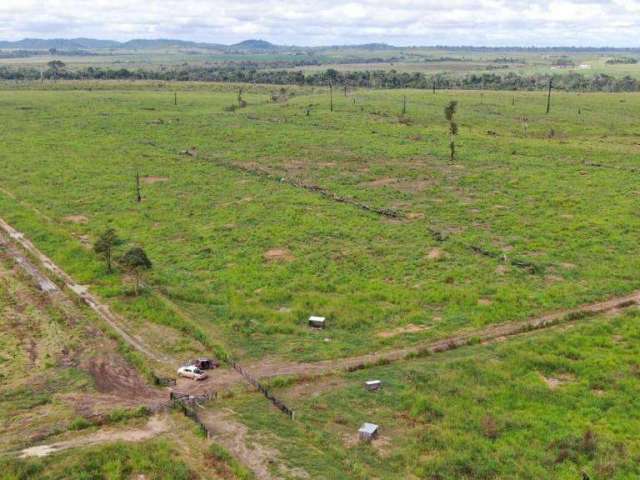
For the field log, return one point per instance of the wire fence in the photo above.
(264, 390)
(187, 404)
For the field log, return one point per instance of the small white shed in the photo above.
(317, 322)
(372, 385)
(368, 432)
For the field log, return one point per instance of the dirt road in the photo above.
(9, 234)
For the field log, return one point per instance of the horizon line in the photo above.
(382, 43)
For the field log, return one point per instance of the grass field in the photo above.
(284, 209)
(249, 258)
(154, 459)
(549, 406)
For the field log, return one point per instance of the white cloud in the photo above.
(314, 22)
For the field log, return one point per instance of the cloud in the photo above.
(317, 22)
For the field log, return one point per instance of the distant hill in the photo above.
(135, 44)
(60, 44)
(254, 45)
(144, 44)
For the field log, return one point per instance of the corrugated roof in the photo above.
(369, 428)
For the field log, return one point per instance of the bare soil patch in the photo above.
(313, 387)
(81, 219)
(413, 186)
(411, 328)
(113, 375)
(279, 255)
(381, 182)
(435, 254)
(555, 382)
(150, 180)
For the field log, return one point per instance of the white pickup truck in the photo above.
(193, 372)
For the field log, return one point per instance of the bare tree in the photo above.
(449, 113)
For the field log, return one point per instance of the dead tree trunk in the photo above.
(331, 96)
(138, 195)
(549, 95)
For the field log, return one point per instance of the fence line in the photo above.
(272, 398)
(186, 403)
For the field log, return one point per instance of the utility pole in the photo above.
(404, 104)
(175, 98)
(549, 95)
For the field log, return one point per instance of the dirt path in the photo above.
(252, 452)
(154, 427)
(265, 369)
(46, 285)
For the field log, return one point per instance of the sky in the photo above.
(329, 22)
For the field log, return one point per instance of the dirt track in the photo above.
(48, 286)
(266, 369)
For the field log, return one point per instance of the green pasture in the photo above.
(518, 225)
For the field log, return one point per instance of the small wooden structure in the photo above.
(317, 322)
(372, 385)
(368, 432)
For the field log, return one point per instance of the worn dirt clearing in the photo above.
(156, 425)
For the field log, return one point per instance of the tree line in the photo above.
(390, 79)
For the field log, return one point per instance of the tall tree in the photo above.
(135, 261)
(56, 66)
(449, 113)
(105, 244)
